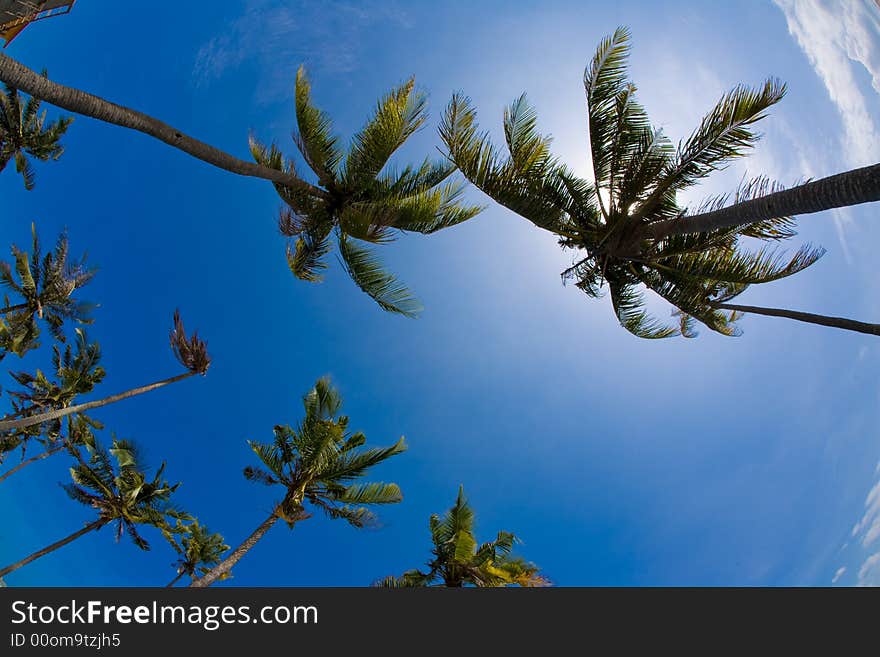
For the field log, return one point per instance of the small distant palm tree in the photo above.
(24, 133)
(627, 225)
(315, 463)
(360, 198)
(191, 352)
(199, 550)
(54, 440)
(120, 493)
(43, 287)
(459, 561)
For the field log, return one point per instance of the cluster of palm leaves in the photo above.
(613, 221)
(359, 199)
(25, 134)
(458, 560)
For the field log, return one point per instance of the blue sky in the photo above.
(714, 461)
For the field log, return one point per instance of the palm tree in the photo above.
(43, 287)
(628, 226)
(191, 352)
(24, 132)
(316, 462)
(21, 77)
(78, 434)
(459, 561)
(198, 548)
(120, 494)
(363, 199)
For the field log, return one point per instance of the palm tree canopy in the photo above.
(637, 175)
(42, 287)
(458, 559)
(115, 484)
(361, 199)
(24, 133)
(198, 548)
(77, 372)
(319, 462)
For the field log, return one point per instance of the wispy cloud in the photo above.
(867, 530)
(279, 36)
(838, 36)
(838, 574)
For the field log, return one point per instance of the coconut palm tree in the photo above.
(43, 287)
(191, 352)
(119, 493)
(627, 225)
(199, 550)
(76, 373)
(364, 200)
(315, 464)
(459, 561)
(78, 434)
(24, 133)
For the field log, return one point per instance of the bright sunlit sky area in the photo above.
(752, 460)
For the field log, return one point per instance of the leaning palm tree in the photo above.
(43, 287)
(119, 493)
(315, 463)
(198, 549)
(363, 200)
(191, 352)
(24, 133)
(459, 561)
(837, 191)
(627, 225)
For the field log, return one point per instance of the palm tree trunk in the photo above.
(21, 77)
(810, 318)
(176, 579)
(838, 191)
(92, 526)
(226, 565)
(79, 408)
(33, 459)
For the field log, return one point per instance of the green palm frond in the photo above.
(369, 275)
(398, 115)
(314, 138)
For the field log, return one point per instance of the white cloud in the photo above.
(838, 574)
(868, 529)
(280, 36)
(836, 35)
(869, 573)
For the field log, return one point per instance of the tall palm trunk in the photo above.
(33, 459)
(92, 526)
(20, 423)
(810, 318)
(838, 191)
(176, 579)
(226, 565)
(20, 77)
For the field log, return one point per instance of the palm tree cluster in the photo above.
(627, 225)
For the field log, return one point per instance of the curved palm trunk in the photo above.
(33, 459)
(31, 420)
(226, 565)
(838, 191)
(810, 318)
(92, 526)
(21, 77)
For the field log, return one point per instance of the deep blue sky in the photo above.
(743, 461)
